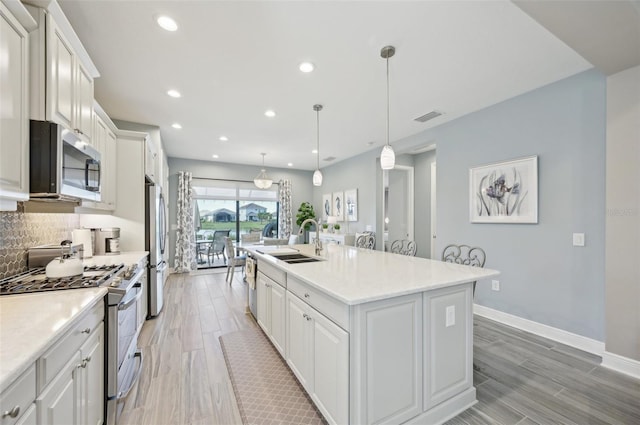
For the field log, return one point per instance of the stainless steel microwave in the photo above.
(62, 166)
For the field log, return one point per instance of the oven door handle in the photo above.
(126, 305)
(125, 393)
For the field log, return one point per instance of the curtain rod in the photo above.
(226, 180)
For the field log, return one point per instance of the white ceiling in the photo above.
(232, 60)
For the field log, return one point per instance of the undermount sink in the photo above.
(296, 258)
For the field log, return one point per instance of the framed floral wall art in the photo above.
(338, 205)
(351, 204)
(504, 192)
(326, 206)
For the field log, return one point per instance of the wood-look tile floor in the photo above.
(520, 378)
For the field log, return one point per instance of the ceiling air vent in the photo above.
(329, 158)
(426, 117)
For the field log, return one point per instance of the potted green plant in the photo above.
(325, 226)
(305, 211)
(336, 227)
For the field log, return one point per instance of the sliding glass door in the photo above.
(230, 208)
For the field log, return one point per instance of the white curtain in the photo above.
(185, 259)
(285, 219)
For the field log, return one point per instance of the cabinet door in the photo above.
(278, 309)
(59, 404)
(84, 102)
(330, 369)
(60, 79)
(264, 304)
(92, 412)
(29, 417)
(299, 341)
(14, 143)
(108, 188)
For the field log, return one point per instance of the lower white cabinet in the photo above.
(76, 393)
(271, 310)
(318, 354)
(337, 238)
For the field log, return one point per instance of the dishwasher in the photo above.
(252, 272)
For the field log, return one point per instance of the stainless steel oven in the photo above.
(124, 360)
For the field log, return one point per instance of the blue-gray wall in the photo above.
(544, 278)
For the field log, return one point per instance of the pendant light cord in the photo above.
(318, 139)
(387, 101)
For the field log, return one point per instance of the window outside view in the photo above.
(230, 210)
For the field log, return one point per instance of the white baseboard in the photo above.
(574, 340)
(621, 364)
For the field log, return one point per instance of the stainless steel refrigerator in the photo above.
(156, 243)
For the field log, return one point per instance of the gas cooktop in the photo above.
(36, 280)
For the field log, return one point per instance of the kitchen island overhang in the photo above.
(399, 331)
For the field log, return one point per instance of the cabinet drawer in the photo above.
(57, 356)
(335, 310)
(18, 396)
(277, 275)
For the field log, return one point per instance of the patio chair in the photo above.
(217, 245)
(233, 260)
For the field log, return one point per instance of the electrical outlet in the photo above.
(578, 239)
(495, 285)
(451, 316)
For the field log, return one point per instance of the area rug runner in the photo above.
(267, 391)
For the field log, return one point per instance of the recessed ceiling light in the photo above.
(214, 156)
(224, 139)
(270, 113)
(174, 93)
(176, 125)
(167, 23)
(315, 151)
(290, 164)
(306, 67)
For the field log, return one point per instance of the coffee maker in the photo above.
(106, 241)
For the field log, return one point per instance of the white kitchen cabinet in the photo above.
(151, 161)
(14, 131)
(70, 382)
(59, 404)
(318, 354)
(271, 310)
(61, 75)
(18, 398)
(337, 238)
(76, 393)
(104, 141)
(92, 375)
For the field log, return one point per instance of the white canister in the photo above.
(83, 236)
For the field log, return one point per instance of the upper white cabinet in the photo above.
(151, 162)
(14, 130)
(62, 73)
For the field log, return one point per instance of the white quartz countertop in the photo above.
(127, 258)
(357, 275)
(31, 323)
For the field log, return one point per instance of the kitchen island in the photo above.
(373, 337)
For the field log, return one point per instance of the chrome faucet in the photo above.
(317, 243)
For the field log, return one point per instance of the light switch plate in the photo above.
(495, 285)
(578, 239)
(451, 316)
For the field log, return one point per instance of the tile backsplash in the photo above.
(20, 231)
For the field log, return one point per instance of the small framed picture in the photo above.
(504, 192)
(338, 205)
(351, 204)
(326, 206)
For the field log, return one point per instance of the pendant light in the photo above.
(262, 181)
(387, 157)
(317, 175)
